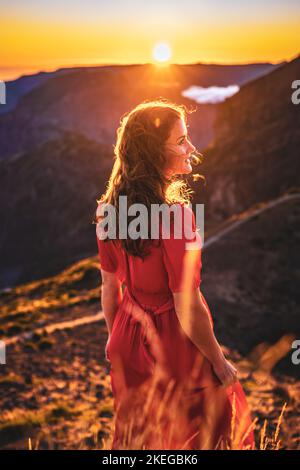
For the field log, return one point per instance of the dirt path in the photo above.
(245, 217)
(57, 326)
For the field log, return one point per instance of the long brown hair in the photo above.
(139, 163)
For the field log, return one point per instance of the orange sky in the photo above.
(39, 40)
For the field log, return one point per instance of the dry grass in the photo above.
(159, 423)
(139, 441)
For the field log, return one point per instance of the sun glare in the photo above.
(162, 52)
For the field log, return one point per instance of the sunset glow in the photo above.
(162, 52)
(49, 35)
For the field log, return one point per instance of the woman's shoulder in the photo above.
(178, 223)
(183, 206)
(185, 212)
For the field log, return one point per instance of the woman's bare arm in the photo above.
(195, 321)
(111, 297)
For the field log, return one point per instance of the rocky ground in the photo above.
(55, 388)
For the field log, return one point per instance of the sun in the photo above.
(161, 52)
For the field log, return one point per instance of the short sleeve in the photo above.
(108, 261)
(182, 256)
(106, 256)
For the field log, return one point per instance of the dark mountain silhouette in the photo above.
(50, 192)
(255, 152)
(251, 278)
(50, 197)
(15, 89)
(91, 100)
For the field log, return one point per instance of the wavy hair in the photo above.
(139, 164)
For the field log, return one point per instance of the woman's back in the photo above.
(153, 279)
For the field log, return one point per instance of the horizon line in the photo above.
(41, 69)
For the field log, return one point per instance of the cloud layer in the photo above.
(212, 94)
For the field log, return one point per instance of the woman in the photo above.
(173, 387)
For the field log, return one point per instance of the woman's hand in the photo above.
(226, 372)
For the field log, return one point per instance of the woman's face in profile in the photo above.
(178, 149)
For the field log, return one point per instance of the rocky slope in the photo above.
(50, 198)
(91, 100)
(255, 153)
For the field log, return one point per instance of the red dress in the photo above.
(166, 394)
